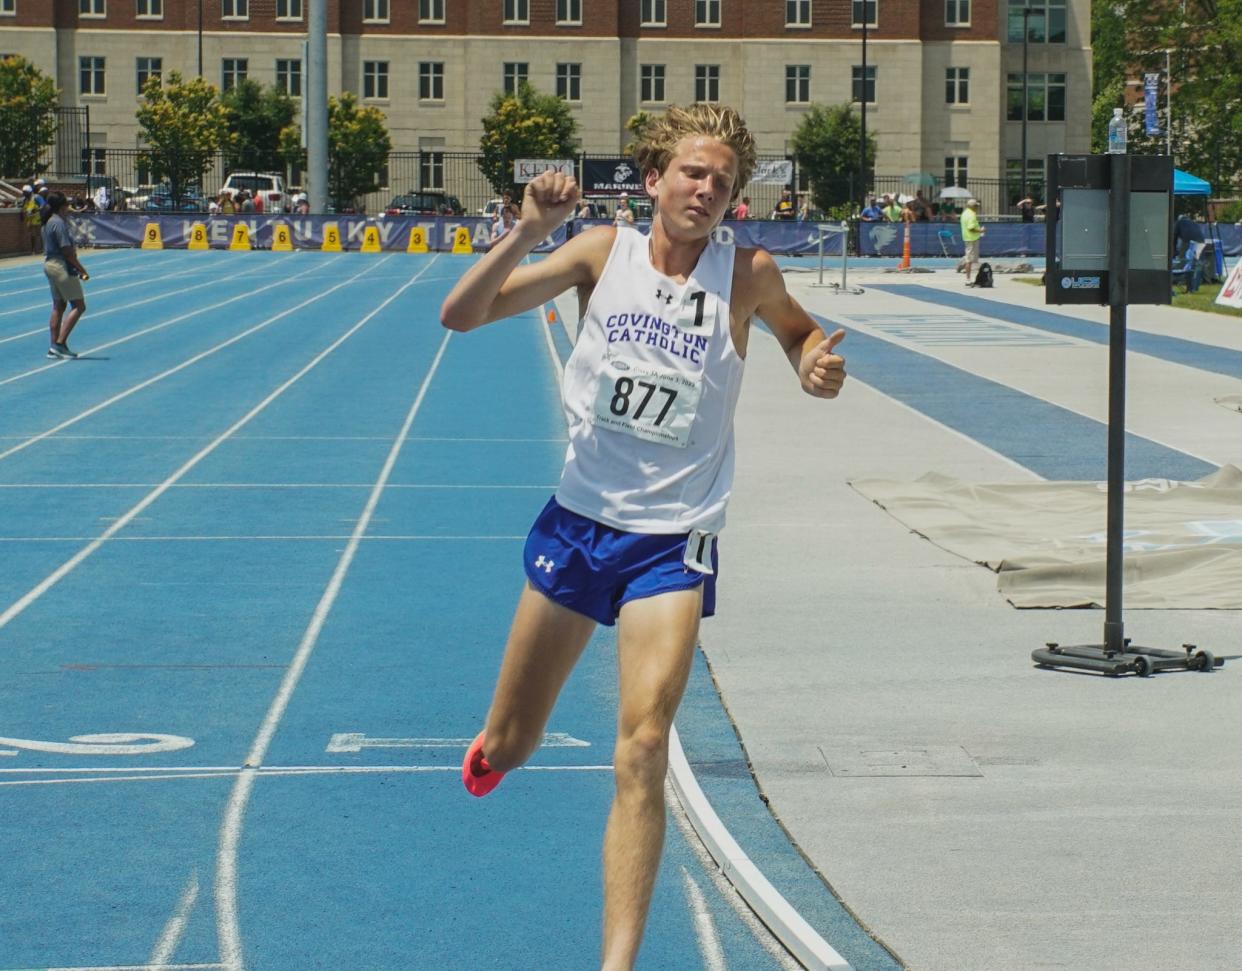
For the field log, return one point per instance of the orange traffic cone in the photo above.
(551, 316)
(905, 251)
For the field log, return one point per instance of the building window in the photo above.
(517, 11)
(8, 8)
(431, 11)
(707, 82)
(91, 75)
(569, 11)
(569, 81)
(149, 67)
(375, 79)
(1045, 23)
(94, 161)
(235, 9)
(288, 9)
(857, 83)
(93, 8)
(654, 13)
(864, 8)
(955, 170)
(1045, 97)
(234, 69)
(289, 77)
(707, 13)
(957, 86)
(797, 84)
(1015, 181)
(515, 72)
(957, 13)
(797, 13)
(431, 81)
(375, 11)
(151, 8)
(651, 82)
(430, 164)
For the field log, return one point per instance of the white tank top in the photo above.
(649, 392)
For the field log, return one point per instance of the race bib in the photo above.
(697, 313)
(652, 403)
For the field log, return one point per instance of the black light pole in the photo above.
(1026, 16)
(862, 138)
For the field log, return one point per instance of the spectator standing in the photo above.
(32, 219)
(892, 211)
(64, 274)
(743, 209)
(784, 208)
(922, 208)
(1026, 207)
(872, 213)
(972, 232)
(624, 215)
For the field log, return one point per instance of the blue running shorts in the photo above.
(594, 569)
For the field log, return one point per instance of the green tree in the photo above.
(358, 147)
(257, 116)
(636, 126)
(1110, 63)
(825, 145)
(28, 100)
(525, 124)
(183, 125)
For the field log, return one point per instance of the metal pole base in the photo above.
(1143, 661)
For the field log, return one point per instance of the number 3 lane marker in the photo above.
(112, 744)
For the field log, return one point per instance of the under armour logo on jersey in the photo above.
(544, 562)
(661, 295)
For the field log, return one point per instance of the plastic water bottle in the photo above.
(1117, 133)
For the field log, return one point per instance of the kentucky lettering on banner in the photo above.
(1151, 94)
(774, 171)
(525, 169)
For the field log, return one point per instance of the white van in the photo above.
(269, 185)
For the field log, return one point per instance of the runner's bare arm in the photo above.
(820, 371)
(499, 285)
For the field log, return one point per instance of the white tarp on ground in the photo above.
(1046, 540)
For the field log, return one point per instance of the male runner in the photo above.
(649, 392)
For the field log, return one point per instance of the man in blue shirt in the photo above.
(872, 213)
(64, 274)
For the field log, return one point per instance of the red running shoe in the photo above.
(478, 777)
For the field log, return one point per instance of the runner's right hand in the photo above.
(551, 197)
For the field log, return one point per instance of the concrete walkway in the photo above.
(975, 812)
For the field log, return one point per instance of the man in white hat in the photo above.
(625, 215)
(972, 232)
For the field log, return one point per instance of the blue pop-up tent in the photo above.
(1185, 184)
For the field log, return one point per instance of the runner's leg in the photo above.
(655, 648)
(544, 644)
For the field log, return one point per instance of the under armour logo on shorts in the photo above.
(544, 562)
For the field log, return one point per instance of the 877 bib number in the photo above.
(650, 403)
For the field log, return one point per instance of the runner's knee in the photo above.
(641, 755)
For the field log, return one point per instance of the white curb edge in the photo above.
(790, 928)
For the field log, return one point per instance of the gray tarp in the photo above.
(1046, 540)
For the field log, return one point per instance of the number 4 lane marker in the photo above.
(351, 742)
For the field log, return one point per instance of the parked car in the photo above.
(425, 203)
(161, 200)
(269, 185)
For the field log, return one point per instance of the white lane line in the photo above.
(130, 967)
(67, 567)
(166, 946)
(41, 486)
(294, 438)
(227, 922)
(270, 772)
(40, 436)
(704, 927)
(246, 295)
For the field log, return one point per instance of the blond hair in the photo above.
(660, 137)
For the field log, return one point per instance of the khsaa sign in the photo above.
(525, 169)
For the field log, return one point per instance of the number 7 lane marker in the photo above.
(228, 926)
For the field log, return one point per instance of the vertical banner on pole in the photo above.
(1151, 93)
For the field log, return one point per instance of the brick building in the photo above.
(943, 78)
